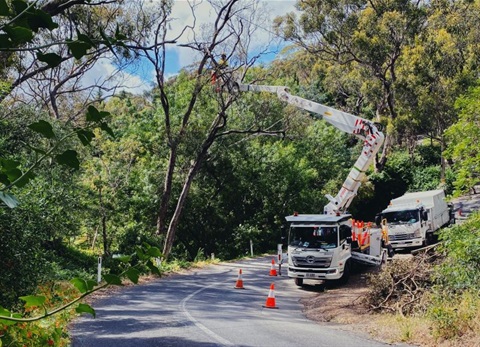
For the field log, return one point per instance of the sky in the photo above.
(141, 78)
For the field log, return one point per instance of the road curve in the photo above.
(202, 308)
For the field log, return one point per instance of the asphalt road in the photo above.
(202, 308)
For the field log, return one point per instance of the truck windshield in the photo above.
(313, 236)
(406, 216)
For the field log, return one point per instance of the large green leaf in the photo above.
(23, 180)
(4, 179)
(33, 300)
(124, 258)
(80, 284)
(112, 279)
(5, 41)
(4, 9)
(133, 274)
(141, 254)
(84, 308)
(94, 115)
(68, 158)
(85, 136)
(85, 38)
(107, 129)
(154, 252)
(9, 199)
(13, 174)
(153, 268)
(6, 313)
(78, 48)
(40, 19)
(43, 127)
(19, 6)
(51, 59)
(19, 34)
(9, 164)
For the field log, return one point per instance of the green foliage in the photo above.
(459, 317)
(461, 248)
(13, 175)
(463, 137)
(51, 309)
(457, 281)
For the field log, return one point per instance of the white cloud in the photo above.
(205, 15)
(178, 57)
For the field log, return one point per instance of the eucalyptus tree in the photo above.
(228, 31)
(361, 43)
(433, 73)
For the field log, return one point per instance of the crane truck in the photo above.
(323, 246)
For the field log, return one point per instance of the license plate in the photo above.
(310, 275)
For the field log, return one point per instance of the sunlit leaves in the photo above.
(33, 300)
(464, 141)
(83, 285)
(6, 313)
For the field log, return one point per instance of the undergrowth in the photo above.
(440, 287)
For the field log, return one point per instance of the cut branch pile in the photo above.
(401, 287)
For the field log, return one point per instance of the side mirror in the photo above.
(424, 215)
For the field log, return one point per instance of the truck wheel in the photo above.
(429, 239)
(299, 281)
(346, 274)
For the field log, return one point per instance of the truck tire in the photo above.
(342, 280)
(299, 281)
(429, 239)
(346, 274)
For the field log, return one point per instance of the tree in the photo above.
(361, 40)
(435, 71)
(224, 34)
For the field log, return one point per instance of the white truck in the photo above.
(322, 246)
(413, 218)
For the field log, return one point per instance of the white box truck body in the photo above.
(413, 218)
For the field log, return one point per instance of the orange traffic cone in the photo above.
(239, 284)
(270, 303)
(273, 271)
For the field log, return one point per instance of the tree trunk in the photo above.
(382, 161)
(442, 161)
(218, 123)
(167, 191)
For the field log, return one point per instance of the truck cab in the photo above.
(319, 247)
(413, 219)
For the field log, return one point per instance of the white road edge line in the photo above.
(197, 323)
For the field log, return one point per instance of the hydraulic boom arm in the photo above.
(362, 128)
